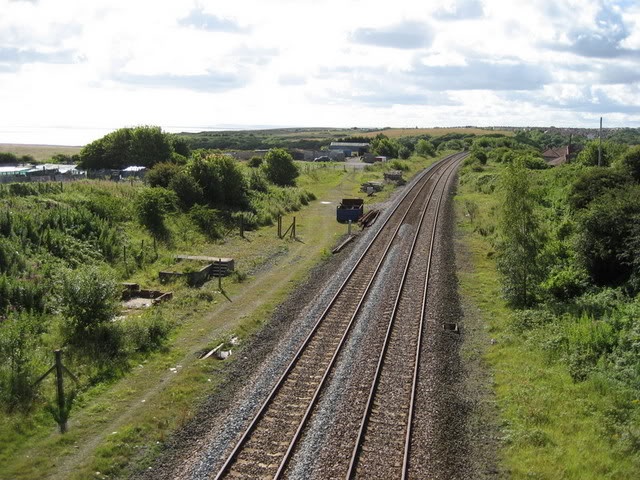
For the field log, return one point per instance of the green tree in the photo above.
(609, 236)
(425, 148)
(144, 146)
(591, 183)
(520, 239)
(279, 167)
(610, 152)
(221, 180)
(630, 162)
(8, 157)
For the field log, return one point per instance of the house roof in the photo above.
(555, 152)
(349, 145)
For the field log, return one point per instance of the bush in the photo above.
(630, 162)
(152, 204)
(208, 221)
(255, 162)
(220, 179)
(20, 365)
(89, 300)
(161, 174)
(425, 148)
(279, 167)
(592, 183)
(610, 236)
(188, 191)
(566, 283)
(148, 332)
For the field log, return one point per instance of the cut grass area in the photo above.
(41, 153)
(551, 427)
(118, 427)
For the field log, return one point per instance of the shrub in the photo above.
(565, 283)
(592, 183)
(89, 300)
(148, 332)
(279, 167)
(425, 148)
(255, 162)
(630, 162)
(161, 174)
(188, 191)
(20, 364)
(152, 204)
(208, 221)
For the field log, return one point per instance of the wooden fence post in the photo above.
(60, 390)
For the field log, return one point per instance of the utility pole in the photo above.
(600, 145)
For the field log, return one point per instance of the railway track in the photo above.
(265, 447)
(382, 448)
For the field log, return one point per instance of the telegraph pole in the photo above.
(600, 145)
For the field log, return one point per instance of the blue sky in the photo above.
(73, 70)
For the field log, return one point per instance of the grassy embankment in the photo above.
(117, 426)
(551, 426)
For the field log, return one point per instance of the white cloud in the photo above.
(84, 67)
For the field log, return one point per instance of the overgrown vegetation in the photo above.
(565, 241)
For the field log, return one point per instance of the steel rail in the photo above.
(416, 368)
(383, 351)
(424, 178)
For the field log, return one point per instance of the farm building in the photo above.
(349, 149)
(133, 171)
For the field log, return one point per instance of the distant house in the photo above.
(559, 155)
(349, 149)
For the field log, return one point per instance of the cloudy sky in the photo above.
(73, 70)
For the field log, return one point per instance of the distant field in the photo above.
(39, 152)
(434, 132)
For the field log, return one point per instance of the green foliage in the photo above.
(152, 204)
(19, 340)
(610, 153)
(187, 189)
(143, 146)
(630, 162)
(591, 183)
(398, 165)
(220, 179)
(161, 174)
(147, 332)
(279, 167)
(610, 236)
(384, 146)
(7, 157)
(255, 162)
(89, 301)
(404, 152)
(208, 220)
(564, 283)
(425, 148)
(521, 240)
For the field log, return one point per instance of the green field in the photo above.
(41, 153)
